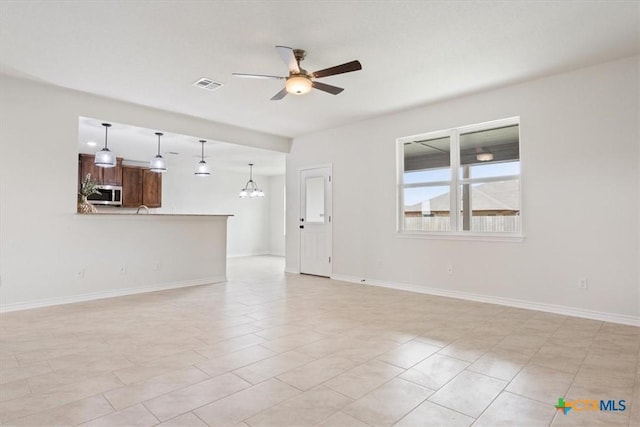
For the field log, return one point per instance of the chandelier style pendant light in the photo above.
(251, 188)
(105, 158)
(158, 164)
(202, 169)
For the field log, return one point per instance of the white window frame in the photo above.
(454, 185)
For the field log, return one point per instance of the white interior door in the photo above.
(315, 221)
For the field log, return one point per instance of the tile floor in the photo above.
(269, 349)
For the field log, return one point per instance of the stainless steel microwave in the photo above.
(109, 195)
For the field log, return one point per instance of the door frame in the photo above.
(328, 208)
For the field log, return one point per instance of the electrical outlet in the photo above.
(450, 270)
(80, 273)
(583, 284)
(123, 269)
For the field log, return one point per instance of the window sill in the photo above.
(475, 237)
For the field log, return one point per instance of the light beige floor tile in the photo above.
(360, 380)
(185, 420)
(13, 390)
(175, 360)
(186, 399)
(501, 364)
(312, 374)
(560, 357)
(306, 409)
(229, 346)
(33, 403)
(388, 403)
(273, 366)
(139, 392)
(597, 377)
(441, 337)
(542, 384)
(133, 416)
(591, 419)
(511, 410)
(235, 360)
(340, 419)
(465, 349)
(435, 371)
(469, 393)
(71, 414)
(528, 344)
(245, 404)
(280, 331)
(11, 374)
(408, 354)
(362, 351)
(430, 414)
(290, 342)
(94, 347)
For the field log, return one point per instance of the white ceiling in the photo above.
(412, 52)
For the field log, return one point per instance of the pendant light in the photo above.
(202, 169)
(158, 164)
(105, 158)
(251, 188)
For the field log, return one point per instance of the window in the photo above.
(462, 181)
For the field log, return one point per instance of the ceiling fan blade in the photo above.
(257, 76)
(333, 90)
(278, 96)
(286, 53)
(338, 69)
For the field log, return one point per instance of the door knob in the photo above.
(302, 226)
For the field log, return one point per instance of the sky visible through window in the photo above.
(417, 195)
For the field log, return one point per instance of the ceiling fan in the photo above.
(300, 81)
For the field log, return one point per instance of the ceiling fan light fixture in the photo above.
(484, 157)
(298, 85)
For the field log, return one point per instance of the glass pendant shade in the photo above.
(202, 169)
(251, 188)
(298, 85)
(158, 163)
(105, 158)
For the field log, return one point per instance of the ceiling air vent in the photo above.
(206, 83)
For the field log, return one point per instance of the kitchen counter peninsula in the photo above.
(126, 253)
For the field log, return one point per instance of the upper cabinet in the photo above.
(151, 189)
(104, 176)
(140, 186)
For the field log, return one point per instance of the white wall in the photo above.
(580, 179)
(276, 197)
(248, 228)
(43, 242)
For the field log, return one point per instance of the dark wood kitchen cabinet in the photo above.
(151, 189)
(140, 186)
(104, 176)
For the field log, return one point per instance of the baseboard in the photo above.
(5, 308)
(549, 308)
(281, 254)
(246, 255)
